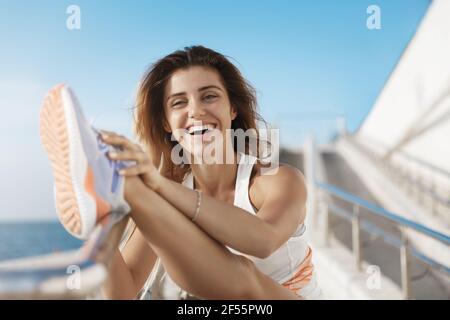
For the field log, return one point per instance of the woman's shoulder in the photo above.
(263, 173)
(280, 179)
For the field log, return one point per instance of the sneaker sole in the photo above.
(76, 203)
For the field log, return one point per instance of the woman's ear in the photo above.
(166, 127)
(233, 113)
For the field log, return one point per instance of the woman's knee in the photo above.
(250, 287)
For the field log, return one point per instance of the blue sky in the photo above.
(310, 61)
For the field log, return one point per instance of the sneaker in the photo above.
(88, 189)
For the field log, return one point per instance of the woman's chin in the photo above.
(199, 149)
(205, 153)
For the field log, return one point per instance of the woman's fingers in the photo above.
(129, 151)
(106, 132)
(134, 170)
(137, 156)
(118, 140)
(115, 139)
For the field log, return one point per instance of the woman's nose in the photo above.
(196, 109)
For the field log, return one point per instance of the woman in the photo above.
(220, 229)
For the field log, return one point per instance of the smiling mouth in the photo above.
(200, 130)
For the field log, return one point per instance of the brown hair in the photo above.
(150, 115)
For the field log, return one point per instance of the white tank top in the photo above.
(281, 265)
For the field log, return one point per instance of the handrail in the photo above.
(383, 212)
(403, 243)
(21, 279)
(392, 240)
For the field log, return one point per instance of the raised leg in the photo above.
(196, 262)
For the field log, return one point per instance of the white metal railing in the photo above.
(49, 276)
(358, 224)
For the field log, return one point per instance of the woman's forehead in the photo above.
(192, 79)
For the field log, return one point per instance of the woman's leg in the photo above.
(196, 262)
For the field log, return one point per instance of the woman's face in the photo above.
(197, 108)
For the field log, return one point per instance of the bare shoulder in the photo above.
(283, 180)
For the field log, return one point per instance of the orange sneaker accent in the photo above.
(54, 137)
(103, 207)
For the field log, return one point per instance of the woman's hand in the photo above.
(129, 151)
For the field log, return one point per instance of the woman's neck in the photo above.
(215, 179)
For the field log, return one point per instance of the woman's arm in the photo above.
(129, 269)
(281, 198)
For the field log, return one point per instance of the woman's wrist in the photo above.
(155, 183)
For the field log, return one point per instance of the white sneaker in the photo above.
(88, 189)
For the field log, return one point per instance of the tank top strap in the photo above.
(241, 197)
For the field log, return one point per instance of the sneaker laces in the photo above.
(115, 165)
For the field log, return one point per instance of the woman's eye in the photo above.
(177, 103)
(210, 97)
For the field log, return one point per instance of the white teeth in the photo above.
(199, 129)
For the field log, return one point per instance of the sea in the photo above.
(31, 238)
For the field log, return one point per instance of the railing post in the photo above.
(356, 237)
(404, 265)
